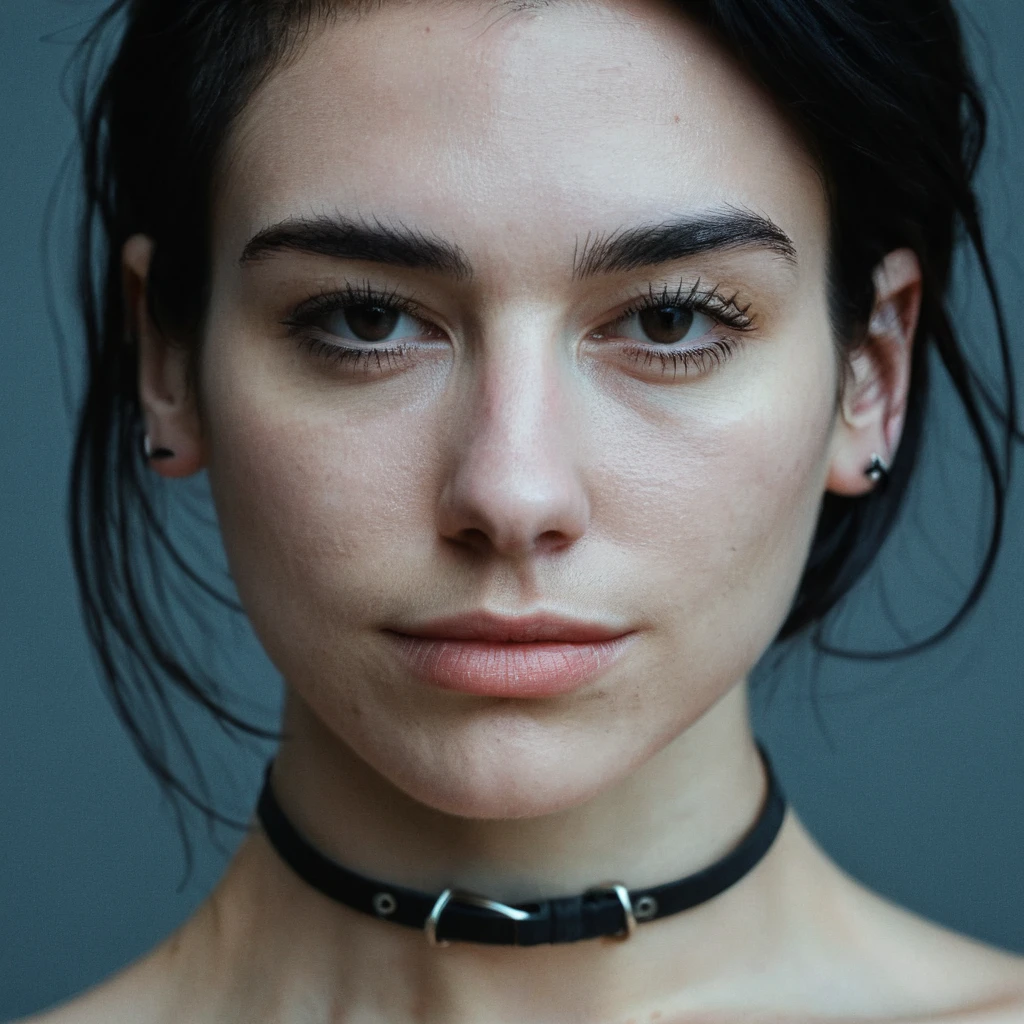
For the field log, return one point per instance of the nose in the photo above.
(513, 486)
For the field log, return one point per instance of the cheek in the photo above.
(718, 503)
(704, 506)
(315, 496)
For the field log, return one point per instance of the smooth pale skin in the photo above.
(513, 462)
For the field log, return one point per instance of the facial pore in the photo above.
(527, 443)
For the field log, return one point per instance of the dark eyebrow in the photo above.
(626, 249)
(345, 239)
(648, 245)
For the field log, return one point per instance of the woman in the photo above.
(549, 362)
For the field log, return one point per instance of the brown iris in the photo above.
(666, 324)
(371, 323)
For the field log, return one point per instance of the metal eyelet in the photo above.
(384, 903)
(645, 908)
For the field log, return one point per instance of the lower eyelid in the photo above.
(703, 358)
(348, 354)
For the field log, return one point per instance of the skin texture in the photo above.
(517, 458)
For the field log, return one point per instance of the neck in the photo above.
(685, 808)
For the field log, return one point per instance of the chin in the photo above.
(496, 773)
(501, 796)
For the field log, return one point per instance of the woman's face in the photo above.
(516, 438)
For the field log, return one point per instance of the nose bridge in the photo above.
(515, 484)
(520, 415)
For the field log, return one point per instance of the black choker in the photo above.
(608, 909)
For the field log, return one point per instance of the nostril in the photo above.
(480, 541)
(489, 511)
(553, 540)
(473, 537)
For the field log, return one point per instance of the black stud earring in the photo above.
(149, 453)
(878, 470)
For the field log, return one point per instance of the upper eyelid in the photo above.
(331, 299)
(704, 299)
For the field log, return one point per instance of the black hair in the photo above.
(880, 89)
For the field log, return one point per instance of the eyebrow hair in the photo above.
(623, 250)
(346, 239)
(649, 245)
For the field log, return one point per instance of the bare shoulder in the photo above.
(163, 986)
(996, 987)
(937, 974)
(102, 1005)
(107, 1003)
(137, 994)
(865, 957)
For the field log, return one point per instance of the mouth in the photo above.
(484, 654)
(514, 629)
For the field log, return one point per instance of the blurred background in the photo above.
(910, 773)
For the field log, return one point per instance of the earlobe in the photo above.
(171, 445)
(874, 400)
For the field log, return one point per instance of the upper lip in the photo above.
(539, 626)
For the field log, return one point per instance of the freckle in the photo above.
(427, 29)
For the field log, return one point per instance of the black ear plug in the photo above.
(160, 453)
(877, 470)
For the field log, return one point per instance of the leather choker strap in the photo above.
(609, 909)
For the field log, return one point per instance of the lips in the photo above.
(489, 655)
(524, 629)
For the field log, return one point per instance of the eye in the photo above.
(368, 322)
(665, 325)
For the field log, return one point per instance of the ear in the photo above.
(169, 411)
(874, 399)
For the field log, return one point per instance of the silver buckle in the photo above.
(474, 900)
(627, 907)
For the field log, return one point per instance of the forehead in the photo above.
(515, 121)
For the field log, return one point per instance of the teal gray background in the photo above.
(910, 773)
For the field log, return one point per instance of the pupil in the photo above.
(666, 324)
(371, 323)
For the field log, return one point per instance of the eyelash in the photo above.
(700, 359)
(726, 311)
(302, 323)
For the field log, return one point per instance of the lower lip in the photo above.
(489, 669)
